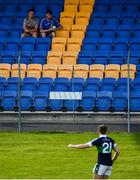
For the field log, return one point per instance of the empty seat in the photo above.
(55, 104)
(103, 102)
(26, 100)
(54, 57)
(119, 102)
(112, 71)
(2, 83)
(85, 57)
(38, 57)
(58, 44)
(28, 44)
(82, 18)
(65, 71)
(70, 8)
(45, 84)
(5, 70)
(15, 70)
(74, 44)
(81, 71)
(124, 71)
(136, 84)
(43, 44)
(25, 57)
(78, 31)
(96, 71)
(76, 84)
(135, 101)
(92, 84)
(9, 99)
(88, 100)
(75, 2)
(89, 2)
(108, 84)
(12, 84)
(69, 58)
(86, 8)
(29, 84)
(49, 70)
(8, 57)
(122, 84)
(67, 18)
(12, 44)
(40, 100)
(64, 32)
(61, 84)
(34, 70)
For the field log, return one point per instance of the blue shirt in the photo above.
(47, 24)
(104, 146)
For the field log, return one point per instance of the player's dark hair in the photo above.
(102, 129)
(49, 12)
(31, 9)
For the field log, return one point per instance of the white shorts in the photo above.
(102, 170)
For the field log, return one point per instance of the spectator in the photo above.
(30, 24)
(49, 25)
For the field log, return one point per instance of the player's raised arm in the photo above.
(116, 154)
(78, 146)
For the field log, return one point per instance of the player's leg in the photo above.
(98, 171)
(96, 177)
(107, 172)
(43, 34)
(106, 177)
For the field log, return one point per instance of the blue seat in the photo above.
(135, 101)
(108, 33)
(128, 21)
(38, 57)
(29, 84)
(2, 83)
(92, 34)
(116, 59)
(26, 100)
(28, 44)
(124, 34)
(43, 44)
(25, 2)
(88, 100)
(40, 100)
(134, 60)
(40, 9)
(101, 2)
(6, 20)
(136, 84)
(100, 8)
(2, 44)
(130, 2)
(116, 8)
(132, 8)
(122, 84)
(89, 47)
(71, 105)
(55, 104)
(10, 2)
(136, 34)
(18, 21)
(45, 84)
(12, 44)
(42, 2)
(103, 102)
(3, 33)
(9, 100)
(15, 32)
(120, 47)
(12, 84)
(61, 84)
(76, 84)
(92, 84)
(85, 57)
(119, 2)
(9, 7)
(56, 2)
(135, 46)
(100, 59)
(97, 21)
(138, 71)
(8, 57)
(107, 47)
(112, 21)
(108, 84)
(25, 57)
(119, 102)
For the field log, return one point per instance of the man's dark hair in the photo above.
(49, 12)
(102, 129)
(31, 9)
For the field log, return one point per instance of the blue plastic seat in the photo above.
(29, 84)
(108, 84)
(12, 84)
(119, 2)
(138, 71)
(100, 60)
(61, 84)
(112, 21)
(134, 60)
(28, 44)
(45, 84)
(2, 44)
(76, 84)
(42, 2)
(97, 21)
(72, 105)
(15, 32)
(128, 21)
(92, 34)
(18, 21)
(26, 100)
(130, 2)
(40, 100)
(6, 20)
(25, 2)
(89, 47)
(92, 84)
(43, 44)
(85, 57)
(120, 47)
(105, 47)
(9, 100)
(122, 84)
(3, 33)
(100, 8)
(136, 34)
(117, 59)
(103, 102)
(124, 34)
(25, 57)
(108, 33)
(9, 7)
(38, 57)
(102, 2)
(2, 83)
(136, 84)
(12, 44)
(8, 57)
(119, 102)
(88, 100)
(55, 104)
(135, 101)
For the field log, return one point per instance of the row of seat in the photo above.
(91, 101)
(119, 2)
(79, 70)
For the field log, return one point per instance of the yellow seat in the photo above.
(54, 57)
(78, 31)
(14, 70)
(65, 71)
(89, 2)
(70, 58)
(62, 33)
(82, 18)
(81, 71)
(70, 8)
(49, 70)
(75, 2)
(58, 44)
(67, 18)
(96, 71)
(86, 8)
(124, 71)
(34, 70)
(5, 70)
(112, 71)
(74, 44)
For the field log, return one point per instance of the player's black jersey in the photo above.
(104, 146)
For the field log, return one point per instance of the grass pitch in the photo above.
(45, 155)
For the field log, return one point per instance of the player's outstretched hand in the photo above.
(70, 145)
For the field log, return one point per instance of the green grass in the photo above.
(45, 155)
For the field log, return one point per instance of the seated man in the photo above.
(30, 25)
(49, 25)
